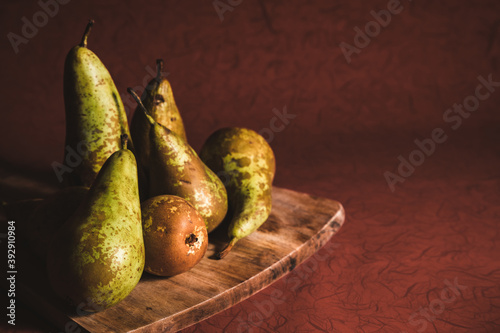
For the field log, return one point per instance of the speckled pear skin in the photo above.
(176, 169)
(158, 98)
(97, 257)
(246, 163)
(95, 115)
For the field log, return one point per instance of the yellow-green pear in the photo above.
(158, 99)
(246, 162)
(95, 116)
(97, 257)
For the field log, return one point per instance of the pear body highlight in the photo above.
(97, 257)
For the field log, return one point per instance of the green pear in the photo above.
(95, 116)
(158, 99)
(97, 257)
(246, 162)
(175, 169)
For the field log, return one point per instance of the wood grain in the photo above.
(299, 225)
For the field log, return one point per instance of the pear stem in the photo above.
(139, 103)
(124, 141)
(226, 249)
(159, 69)
(85, 36)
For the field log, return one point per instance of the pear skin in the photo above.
(95, 115)
(158, 99)
(97, 257)
(246, 162)
(175, 235)
(175, 169)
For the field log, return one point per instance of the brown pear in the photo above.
(175, 236)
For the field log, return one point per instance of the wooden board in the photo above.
(299, 225)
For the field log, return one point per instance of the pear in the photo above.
(97, 257)
(246, 162)
(175, 236)
(159, 100)
(174, 168)
(95, 116)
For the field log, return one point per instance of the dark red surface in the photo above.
(390, 267)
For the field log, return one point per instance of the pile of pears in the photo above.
(137, 188)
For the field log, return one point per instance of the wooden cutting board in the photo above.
(299, 225)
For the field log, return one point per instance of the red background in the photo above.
(352, 120)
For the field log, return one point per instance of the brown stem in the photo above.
(226, 249)
(159, 69)
(83, 43)
(136, 97)
(124, 140)
(139, 103)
